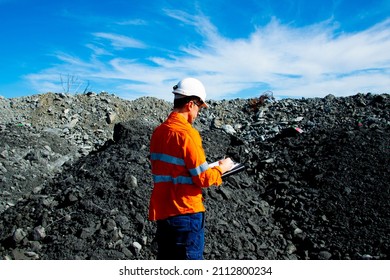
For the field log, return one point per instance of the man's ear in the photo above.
(190, 105)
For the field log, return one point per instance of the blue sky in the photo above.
(238, 49)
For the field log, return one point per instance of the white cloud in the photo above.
(98, 50)
(301, 62)
(119, 41)
(310, 61)
(132, 22)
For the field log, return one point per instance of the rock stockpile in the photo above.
(75, 177)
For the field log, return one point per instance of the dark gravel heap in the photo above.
(316, 184)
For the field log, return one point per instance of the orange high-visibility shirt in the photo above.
(179, 169)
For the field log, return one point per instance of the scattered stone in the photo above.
(39, 233)
(137, 247)
(19, 235)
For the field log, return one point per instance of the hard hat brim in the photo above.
(205, 105)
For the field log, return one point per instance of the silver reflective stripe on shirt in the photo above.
(175, 181)
(167, 158)
(199, 169)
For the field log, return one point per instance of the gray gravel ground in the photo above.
(75, 177)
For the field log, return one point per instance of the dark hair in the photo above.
(180, 102)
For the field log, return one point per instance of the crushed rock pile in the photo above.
(75, 177)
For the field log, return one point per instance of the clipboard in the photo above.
(237, 167)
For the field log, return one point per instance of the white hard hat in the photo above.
(190, 87)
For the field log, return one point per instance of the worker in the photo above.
(180, 171)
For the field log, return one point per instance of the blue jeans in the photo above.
(181, 237)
